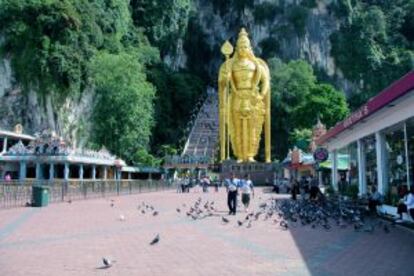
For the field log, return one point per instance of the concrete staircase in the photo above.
(203, 139)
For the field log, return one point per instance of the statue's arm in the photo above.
(265, 78)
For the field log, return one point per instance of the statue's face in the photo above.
(243, 50)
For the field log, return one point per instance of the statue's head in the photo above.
(243, 46)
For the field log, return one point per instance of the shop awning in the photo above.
(343, 162)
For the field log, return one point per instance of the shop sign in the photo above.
(321, 154)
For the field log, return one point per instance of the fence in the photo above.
(16, 194)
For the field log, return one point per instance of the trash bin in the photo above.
(40, 196)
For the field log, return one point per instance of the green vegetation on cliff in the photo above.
(65, 46)
(375, 43)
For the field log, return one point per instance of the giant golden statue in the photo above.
(244, 101)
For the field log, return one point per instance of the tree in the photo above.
(290, 83)
(177, 94)
(323, 100)
(123, 116)
(297, 100)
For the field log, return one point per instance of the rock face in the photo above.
(275, 30)
(277, 33)
(69, 117)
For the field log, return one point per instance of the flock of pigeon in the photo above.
(285, 213)
(144, 208)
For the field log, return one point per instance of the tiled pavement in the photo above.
(71, 239)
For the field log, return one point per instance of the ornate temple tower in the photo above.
(318, 131)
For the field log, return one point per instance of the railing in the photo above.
(19, 193)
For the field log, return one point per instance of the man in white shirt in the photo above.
(232, 187)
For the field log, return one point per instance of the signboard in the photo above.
(321, 154)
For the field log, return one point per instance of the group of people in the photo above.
(184, 184)
(235, 185)
(306, 185)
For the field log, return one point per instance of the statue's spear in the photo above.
(227, 50)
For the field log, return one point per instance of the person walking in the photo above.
(232, 190)
(294, 187)
(246, 190)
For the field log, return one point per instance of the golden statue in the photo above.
(244, 101)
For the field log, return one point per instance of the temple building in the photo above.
(299, 163)
(46, 156)
(378, 139)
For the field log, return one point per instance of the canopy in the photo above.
(343, 162)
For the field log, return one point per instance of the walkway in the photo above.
(71, 239)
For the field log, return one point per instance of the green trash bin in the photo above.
(40, 196)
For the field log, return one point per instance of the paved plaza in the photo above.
(72, 238)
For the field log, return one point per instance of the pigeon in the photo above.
(178, 210)
(112, 204)
(263, 205)
(239, 223)
(284, 225)
(155, 213)
(155, 240)
(70, 201)
(107, 262)
(386, 229)
(143, 211)
(369, 229)
(223, 219)
(28, 204)
(249, 224)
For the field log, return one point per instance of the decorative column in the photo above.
(66, 172)
(334, 169)
(362, 180)
(381, 163)
(22, 170)
(38, 171)
(93, 172)
(4, 145)
(105, 172)
(51, 171)
(81, 171)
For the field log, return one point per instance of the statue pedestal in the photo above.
(260, 173)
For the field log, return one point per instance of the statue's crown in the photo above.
(243, 37)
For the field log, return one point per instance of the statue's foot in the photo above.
(239, 161)
(268, 161)
(251, 159)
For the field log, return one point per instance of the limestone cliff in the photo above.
(276, 30)
(288, 29)
(35, 111)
